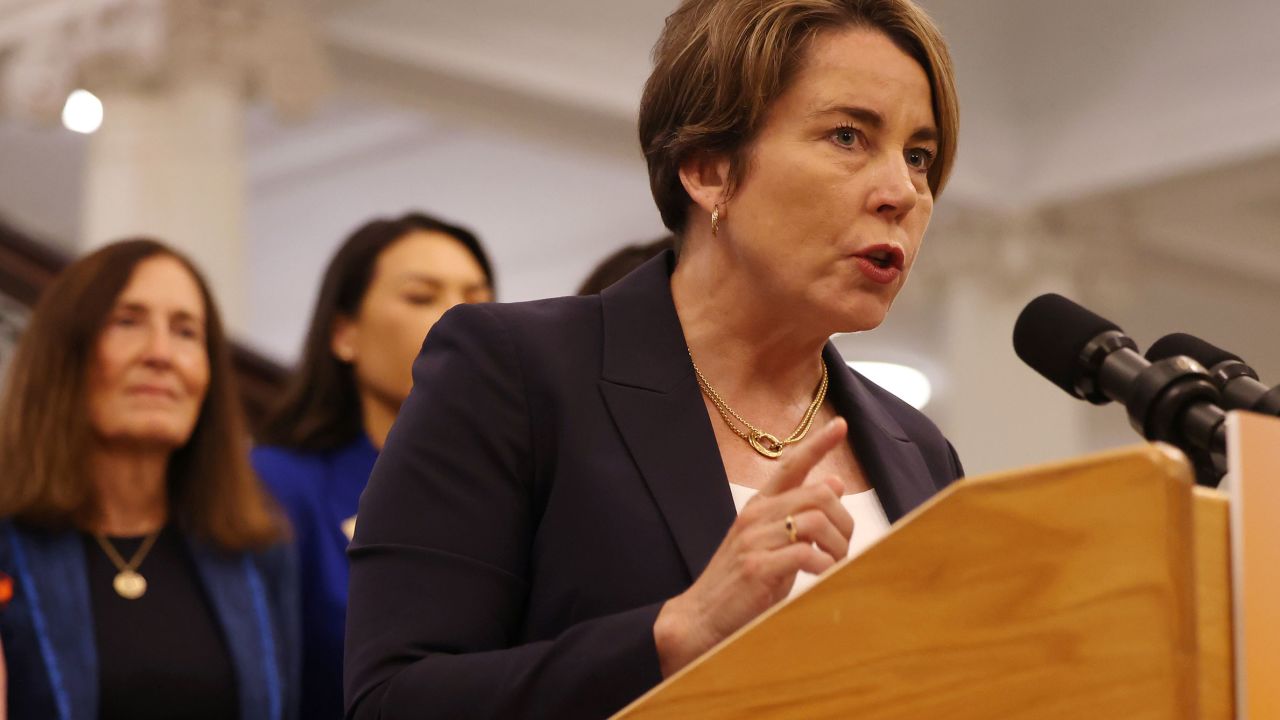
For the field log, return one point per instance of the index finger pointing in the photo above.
(795, 467)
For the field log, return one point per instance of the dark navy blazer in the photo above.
(48, 626)
(551, 481)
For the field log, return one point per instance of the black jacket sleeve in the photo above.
(440, 560)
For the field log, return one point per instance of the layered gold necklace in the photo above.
(762, 442)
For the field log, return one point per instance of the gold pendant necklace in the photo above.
(762, 442)
(128, 583)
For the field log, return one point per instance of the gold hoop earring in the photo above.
(715, 220)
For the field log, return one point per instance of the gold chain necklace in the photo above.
(128, 583)
(762, 442)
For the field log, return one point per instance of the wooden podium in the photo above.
(1095, 588)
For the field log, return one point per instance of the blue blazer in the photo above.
(550, 482)
(48, 626)
(319, 491)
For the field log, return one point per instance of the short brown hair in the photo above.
(45, 434)
(720, 64)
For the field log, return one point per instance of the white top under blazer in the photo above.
(870, 523)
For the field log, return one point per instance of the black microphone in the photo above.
(1237, 381)
(1173, 400)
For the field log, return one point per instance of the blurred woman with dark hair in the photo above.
(149, 575)
(621, 262)
(383, 290)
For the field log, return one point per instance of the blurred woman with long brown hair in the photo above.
(151, 577)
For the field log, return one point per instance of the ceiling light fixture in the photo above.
(83, 112)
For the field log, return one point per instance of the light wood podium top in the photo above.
(1063, 591)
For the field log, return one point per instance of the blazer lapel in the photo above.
(54, 564)
(892, 462)
(231, 596)
(653, 397)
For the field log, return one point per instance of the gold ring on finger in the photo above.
(793, 533)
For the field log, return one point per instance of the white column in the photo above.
(174, 77)
(999, 413)
(168, 162)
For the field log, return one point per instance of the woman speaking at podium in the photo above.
(582, 495)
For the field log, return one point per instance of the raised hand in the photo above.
(791, 525)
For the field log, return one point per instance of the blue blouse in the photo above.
(320, 492)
